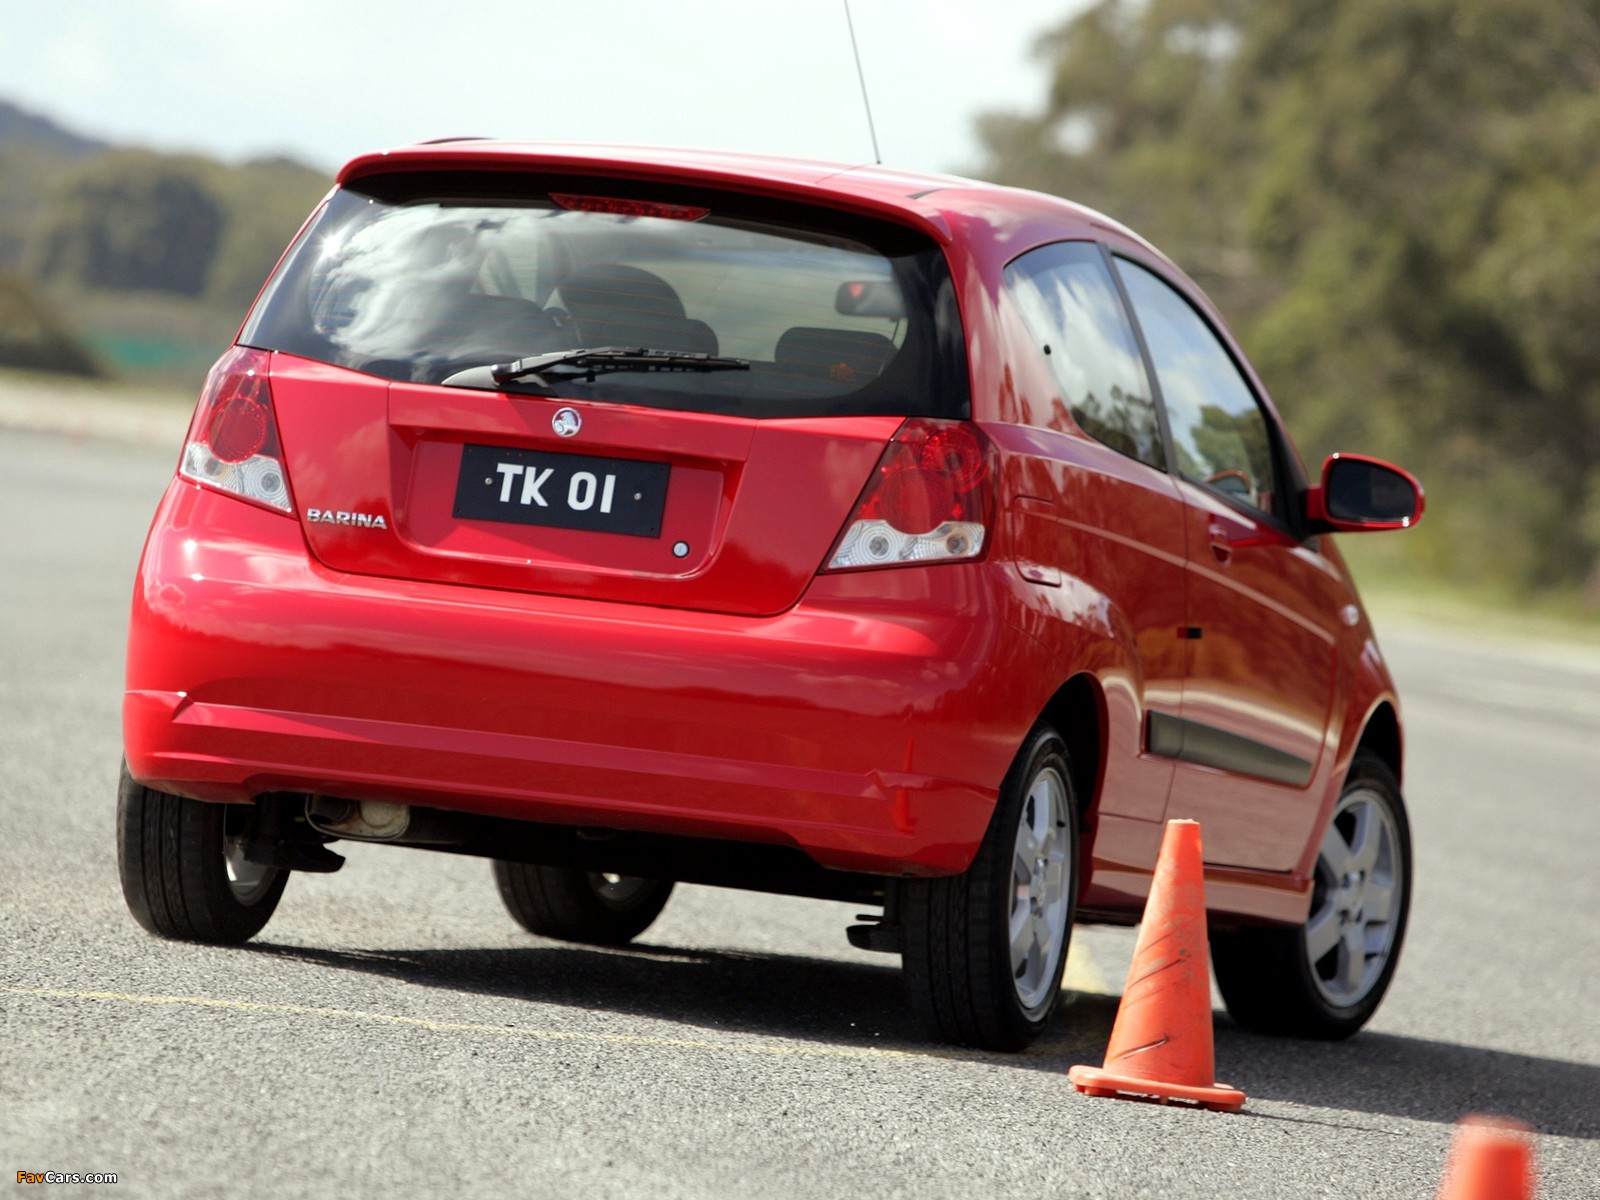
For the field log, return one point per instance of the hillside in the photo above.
(18, 125)
(33, 335)
(147, 260)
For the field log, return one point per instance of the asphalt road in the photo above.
(393, 1033)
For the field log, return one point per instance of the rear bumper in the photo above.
(856, 727)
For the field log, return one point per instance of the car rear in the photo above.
(596, 496)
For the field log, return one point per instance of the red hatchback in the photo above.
(631, 516)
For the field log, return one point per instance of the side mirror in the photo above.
(1360, 494)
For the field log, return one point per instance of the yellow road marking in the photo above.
(1081, 975)
(549, 1035)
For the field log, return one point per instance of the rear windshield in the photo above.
(424, 277)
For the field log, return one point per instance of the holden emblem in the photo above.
(566, 422)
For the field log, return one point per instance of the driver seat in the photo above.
(617, 305)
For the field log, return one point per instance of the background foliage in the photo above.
(1397, 203)
(155, 257)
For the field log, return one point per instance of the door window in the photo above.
(1070, 304)
(1220, 433)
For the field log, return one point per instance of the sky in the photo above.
(323, 80)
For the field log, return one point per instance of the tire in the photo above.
(1326, 978)
(971, 980)
(183, 871)
(574, 905)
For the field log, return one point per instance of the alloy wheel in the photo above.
(1041, 889)
(1356, 900)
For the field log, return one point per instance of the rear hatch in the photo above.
(705, 381)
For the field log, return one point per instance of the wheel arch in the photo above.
(1077, 712)
(1383, 737)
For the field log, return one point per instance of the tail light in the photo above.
(233, 440)
(929, 500)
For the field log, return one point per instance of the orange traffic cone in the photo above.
(1490, 1159)
(1161, 1042)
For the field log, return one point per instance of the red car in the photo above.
(632, 516)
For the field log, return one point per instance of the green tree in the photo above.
(132, 221)
(1398, 204)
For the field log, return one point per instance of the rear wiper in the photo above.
(603, 360)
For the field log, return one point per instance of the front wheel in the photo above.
(184, 874)
(1327, 977)
(984, 951)
(575, 905)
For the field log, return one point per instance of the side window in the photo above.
(1218, 429)
(1070, 304)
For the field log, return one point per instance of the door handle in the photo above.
(1221, 545)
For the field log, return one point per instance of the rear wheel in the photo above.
(1327, 977)
(984, 951)
(596, 907)
(184, 874)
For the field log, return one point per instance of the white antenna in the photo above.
(877, 156)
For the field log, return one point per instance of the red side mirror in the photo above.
(1361, 494)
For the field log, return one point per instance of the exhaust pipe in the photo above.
(381, 821)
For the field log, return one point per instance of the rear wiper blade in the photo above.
(603, 360)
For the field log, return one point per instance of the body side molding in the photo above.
(1208, 746)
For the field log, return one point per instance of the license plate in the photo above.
(568, 491)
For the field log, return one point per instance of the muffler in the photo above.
(382, 821)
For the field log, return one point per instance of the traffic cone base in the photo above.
(1161, 1047)
(1096, 1081)
(1491, 1158)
